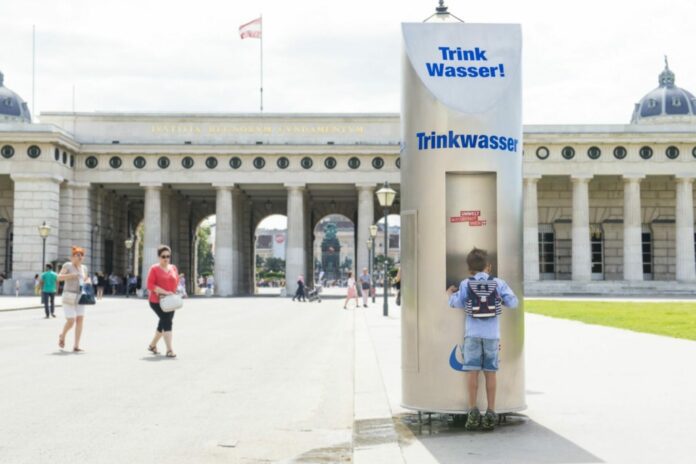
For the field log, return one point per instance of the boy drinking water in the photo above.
(481, 296)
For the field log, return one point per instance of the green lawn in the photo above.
(671, 319)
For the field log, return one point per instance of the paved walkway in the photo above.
(268, 380)
(595, 394)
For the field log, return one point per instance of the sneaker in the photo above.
(473, 419)
(490, 420)
(365, 306)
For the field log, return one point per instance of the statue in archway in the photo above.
(330, 253)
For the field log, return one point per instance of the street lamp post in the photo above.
(95, 230)
(44, 231)
(373, 238)
(369, 264)
(386, 196)
(129, 244)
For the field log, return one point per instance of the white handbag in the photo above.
(171, 303)
(71, 298)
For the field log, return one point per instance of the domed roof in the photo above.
(12, 107)
(666, 104)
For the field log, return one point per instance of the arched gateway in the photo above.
(97, 176)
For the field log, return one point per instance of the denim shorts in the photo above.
(480, 354)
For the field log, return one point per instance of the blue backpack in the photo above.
(482, 298)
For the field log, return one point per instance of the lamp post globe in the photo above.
(44, 232)
(129, 244)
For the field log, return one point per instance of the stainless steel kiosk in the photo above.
(461, 187)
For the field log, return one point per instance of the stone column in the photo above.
(153, 227)
(531, 228)
(66, 222)
(82, 215)
(582, 257)
(632, 229)
(295, 244)
(237, 252)
(366, 217)
(165, 217)
(175, 228)
(686, 263)
(36, 200)
(224, 263)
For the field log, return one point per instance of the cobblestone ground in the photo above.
(256, 380)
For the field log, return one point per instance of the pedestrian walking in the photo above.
(352, 292)
(300, 293)
(397, 286)
(365, 285)
(101, 283)
(162, 279)
(74, 275)
(49, 280)
(181, 288)
(37, 286)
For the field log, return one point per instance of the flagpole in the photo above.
(33, 69)
(261, 65)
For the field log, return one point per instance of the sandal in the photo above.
(152, 349)
(171, 354)
(78, 350)
(61, 341)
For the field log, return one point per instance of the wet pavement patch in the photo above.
(371, 432)
(432, 424)
(341, 452)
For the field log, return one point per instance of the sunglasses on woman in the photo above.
(165, 256)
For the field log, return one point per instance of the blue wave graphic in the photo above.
(454, 362)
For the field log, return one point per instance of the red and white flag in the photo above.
(252, 29)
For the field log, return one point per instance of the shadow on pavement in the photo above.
(519, 440)
(156, 358)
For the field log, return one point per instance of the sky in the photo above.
(584, 62)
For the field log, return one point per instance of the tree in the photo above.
(206, 261)
(274, 265)
(259, 261)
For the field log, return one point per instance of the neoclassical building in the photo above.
(607, 207)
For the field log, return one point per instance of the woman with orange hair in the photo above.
(74, 274)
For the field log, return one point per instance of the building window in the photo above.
(91, 162)
(394, 241)
(56, 154)
(647, 247)
(547, 250)
(187, 162)
(377, 163)
(398, 161)
(594, 152)
(7, 151)
(354, 162)
(620, 152)
(65, 158)
(211, 162)
(597, 250)
(568, 152)
(72, 161)
(652, 103)
(676, 101)
(306, 162)
(163, 162)
(672, 152)
(115, 162)
(259, 162)
(235, 162)
(34, 151)
(330, 162)
(646, 152)
(139, 162)
(542, 153)
(283, 162)
(693, 152)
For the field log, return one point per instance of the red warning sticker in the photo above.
(472, 217)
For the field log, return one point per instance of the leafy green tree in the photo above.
(259, 262)
(206, 261)
(274, 265)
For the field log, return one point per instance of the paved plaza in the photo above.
(267, 380)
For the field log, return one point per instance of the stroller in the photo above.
(314, 294)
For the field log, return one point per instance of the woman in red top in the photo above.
(162, 279)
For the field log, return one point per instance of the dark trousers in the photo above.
(299, 294)
(49, 297)
(165, 319)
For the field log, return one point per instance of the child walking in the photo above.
(482, 297)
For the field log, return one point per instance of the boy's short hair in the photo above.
(477, 260)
